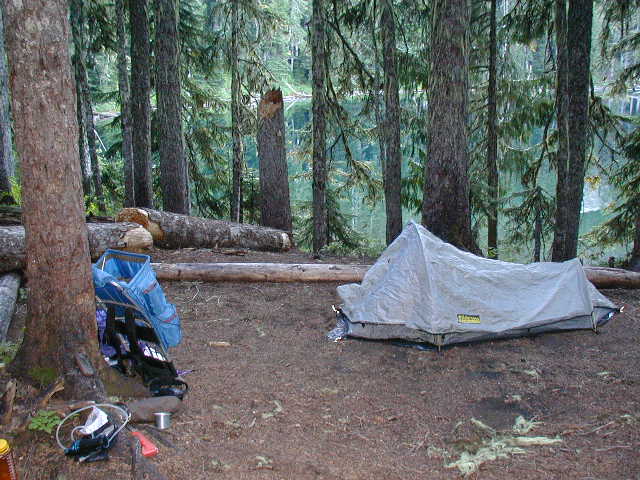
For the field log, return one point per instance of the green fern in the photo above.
(45, 421)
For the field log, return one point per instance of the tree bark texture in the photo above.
(579, 24)
(125, 105)
(392, 174)
(604, 277)
(492, 137)
(172, 230)
(601, 277)
(61, 306)
(173, 167)
(445, 207)
(76, 17)
(9, 285)
(85, 109)
(259, 272)
(121, 236)
(140, 103)
(96, 171)
(537, 237)
(578, 48)
(318, 67)
(236, 113)
(275, 207)
(7, 160)
(562, 155)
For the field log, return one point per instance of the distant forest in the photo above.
(487, 118)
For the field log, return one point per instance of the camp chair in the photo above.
(141, 325)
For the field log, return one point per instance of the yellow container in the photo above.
(7, 466)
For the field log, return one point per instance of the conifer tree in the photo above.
(318, 55)
(445, 209)
(173, 167)
(140, 102)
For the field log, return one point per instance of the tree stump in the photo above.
(275, 207)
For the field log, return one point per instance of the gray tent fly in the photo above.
(425, 290)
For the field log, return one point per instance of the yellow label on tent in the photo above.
(462, 318)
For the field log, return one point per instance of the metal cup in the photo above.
(163, 420)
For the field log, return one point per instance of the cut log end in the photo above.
(138, 240)
(270, 103)
(141, 217)
(286, 242)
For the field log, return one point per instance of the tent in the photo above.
(424, 289)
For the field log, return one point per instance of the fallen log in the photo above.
(601, 277)
(9, 285)
(606, 277)
(122, 236)
(260, 272)
(172, 230)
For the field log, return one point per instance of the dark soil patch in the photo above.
(283, 402)
(498, 412)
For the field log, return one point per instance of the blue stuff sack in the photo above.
(123, 278)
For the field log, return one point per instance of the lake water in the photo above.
(369, 220)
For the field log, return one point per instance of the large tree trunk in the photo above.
(445, 207)
(121, 236)
(7, 161)
(172, 230)
(562, 155)
(318, 67)
(492, 137)
(601, 277)
(236, 113)
(392, 175)
(140, 103)
(579, 24)
(259, 272)
(125, 105)
(9, 285)
(87, 142)
(76, 8)
(173, 167)
(275, 206)
(61, 306)
(578, 47)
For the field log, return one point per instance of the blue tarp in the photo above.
(136, 285)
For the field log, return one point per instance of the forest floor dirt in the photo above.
(284, 402)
